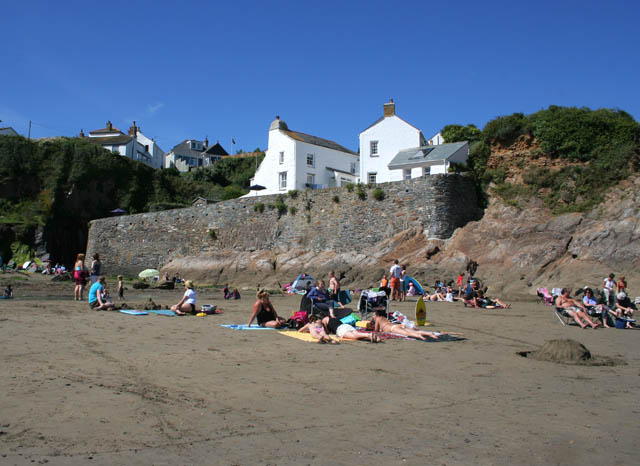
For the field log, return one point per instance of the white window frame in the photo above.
(311, 158)
(373, 149)
(281, 158)
(426, 171)
(282, 180)
(372, 177)
(406, 174)
(312, 177)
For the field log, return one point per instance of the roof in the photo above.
(111, 140)
(8, 131)
(216, 149)
(419, 155)
(340, 171)
(307, 138)
(184, 148)
(383, 117)
(106, 130)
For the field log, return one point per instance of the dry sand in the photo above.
(81, 387)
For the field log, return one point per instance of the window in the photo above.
(407, 173)
(310, 160)
(353, 168)
(146, 148)
(311, 179)
(374, 149)
(281, 159)
(115, 150)
(282, 180)
(344, 181)
(371, 177)
(427, 171)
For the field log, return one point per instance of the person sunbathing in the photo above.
(346, 331)
(382, 324)
(317, 330)
(264, 312)
(487, 302)
(574, 308)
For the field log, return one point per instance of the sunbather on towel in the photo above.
(575, 309)
(346, 331)
(382, 324)
(484, 301)
(317, 330)
(264, 312)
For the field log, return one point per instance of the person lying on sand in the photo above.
(264, 312)
(486, 302)
(574, 308)
(317, 330)
(382, 324)
(346, 331)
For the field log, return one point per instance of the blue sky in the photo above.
(225, 69)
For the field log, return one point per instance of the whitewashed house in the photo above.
(392, 150)
(134, 145)
(295, 160)
(192, 153)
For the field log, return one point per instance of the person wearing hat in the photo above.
(609, 289)
(624, 307)
(187, 304)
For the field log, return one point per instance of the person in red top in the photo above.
(460, 283)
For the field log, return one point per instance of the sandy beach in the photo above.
(80, 387)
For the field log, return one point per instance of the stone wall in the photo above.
(332, 220)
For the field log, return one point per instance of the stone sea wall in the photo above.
(316, 222)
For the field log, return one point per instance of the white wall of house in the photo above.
(322, 157)
(392, 135)
(157, 154)
(436, 140)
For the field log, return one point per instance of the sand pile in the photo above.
(568, 351)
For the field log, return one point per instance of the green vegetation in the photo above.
(378, 194)
(59, 185)
(258, 207)
(292, 210)
(350, 187)
(293, 193)
(280, 206)
(212, 234)
(336, 199)
(599, 148)
(361, 192)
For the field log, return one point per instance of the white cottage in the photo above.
(295, 160)
(392, 150)
(134, 145)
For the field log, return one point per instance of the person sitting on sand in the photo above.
(264, 312)
(412, 290)
(96, 300)
(187, 305)
(382, 324)
(317, 330)
(574, 308)
(346, 331)
(226, 293)
(449, 297)
(469, 295)
(486, 302)
(8, 291)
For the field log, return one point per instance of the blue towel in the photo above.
(134, 312)
(245, 327)
(164, 312)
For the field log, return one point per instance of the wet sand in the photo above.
(81, 387)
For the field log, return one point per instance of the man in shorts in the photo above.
(574, 308)
(96, 302)
(395, 273)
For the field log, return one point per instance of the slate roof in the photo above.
(307, 138)
(383, 117)
(216, 149)
(184, 148)
(106, 130)
(110, 140)
(340, 171)
(417, 156)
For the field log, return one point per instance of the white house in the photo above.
(8, 131)
(192, 153)
(129, 145)
(392, 150)
(295, 160)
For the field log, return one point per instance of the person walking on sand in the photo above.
(187, 305)
(79, 277)
(395, 272)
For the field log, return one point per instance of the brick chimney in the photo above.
(109, 126)
(133, 130)
(206, 142)
(389, 108)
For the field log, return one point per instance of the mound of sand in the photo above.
(568, 351)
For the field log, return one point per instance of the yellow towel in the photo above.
(302, 336)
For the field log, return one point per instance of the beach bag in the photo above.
(349, 320)
(298, 320)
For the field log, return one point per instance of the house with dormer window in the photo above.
(295, 160)
(391, 149)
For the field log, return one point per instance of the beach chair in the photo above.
(371, 301)
(563, 315)
(544, 296)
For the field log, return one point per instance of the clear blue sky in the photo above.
(225, 69)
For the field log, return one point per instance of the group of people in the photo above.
(615, 303)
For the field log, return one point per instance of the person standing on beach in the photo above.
(79, 277)
(96, 267)
(609, 288)
(120, 287)
(334, 286)
(395, 272)
(404, 283)
(460, 284)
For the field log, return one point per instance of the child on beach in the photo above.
(8, 292)
(382, 324)
(120, 287)
(317, 330)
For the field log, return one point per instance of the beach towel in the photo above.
(163, 312)
(245, 327)
(304, 336)
(134, 312)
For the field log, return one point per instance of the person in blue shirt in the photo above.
(319, 296)
(96, 302)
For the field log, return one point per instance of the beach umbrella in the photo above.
(256, 188)
(148, 273)
(118, 211)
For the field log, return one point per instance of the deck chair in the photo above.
(544, 296)
(563, 315)
(371, 301)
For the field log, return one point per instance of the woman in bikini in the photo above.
(264, 312)
(317, 330)
(382, 324)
